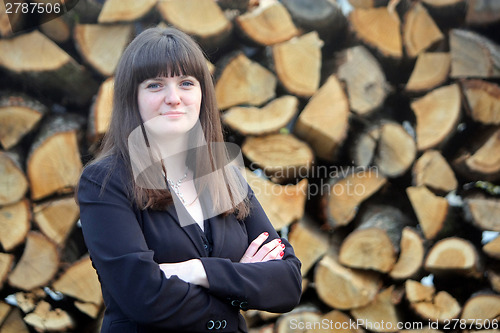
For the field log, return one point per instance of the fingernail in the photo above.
(283, 245)
(266, 233)
(279, 240)
(282, 254)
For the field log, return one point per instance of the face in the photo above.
(169, 105)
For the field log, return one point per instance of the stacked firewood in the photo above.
(370, 130)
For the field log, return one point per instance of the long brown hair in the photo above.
(164, 52)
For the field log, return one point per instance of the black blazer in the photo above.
(126, 244)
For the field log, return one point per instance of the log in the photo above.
(4, 311)
(101, 46)
(19, 115)
(428, 304)
(100, 111)
(124, 11)
(38, 264)
(494, 279)
(396, 150)
(56, 218)
(482, 12)
(473, 55)
(268, 119)
(431, 70)
(243, 82)
(15, 224)
(335, 322)
(308, 243)
(306, 315)
(324, 121)
(44, 319)
(453, 255)
(437, 113)
(268, 24)
(431, 210)
(492, 248)
(432, 170)
(6, 261)
(297, 63)
(27, 301)
(483, 101)
(482, 307)
(411, 255)
(344, 196)
(203, 20)
(483, 212)
(378, 28)
(14, 323)
(58, 29)
(54, 72)
(362, 150)
(80, 281)
(323, 16)
(282, 156)
(283, 204)
(381, 314)
(344, 288)
(54, 164)
(420, 31)
(366, 84)
(90, 309)
(481, 161)
(13, 182)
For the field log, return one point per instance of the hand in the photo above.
(191, 271)
(270, 251)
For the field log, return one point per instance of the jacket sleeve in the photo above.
(126, 267)
(273, 286)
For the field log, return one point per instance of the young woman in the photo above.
(176, 235)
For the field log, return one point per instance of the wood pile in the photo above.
(372, 128)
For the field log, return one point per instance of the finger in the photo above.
(255, 244)
(276, 254)
(266, 248)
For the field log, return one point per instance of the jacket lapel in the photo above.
(218, 227)
(190, 230)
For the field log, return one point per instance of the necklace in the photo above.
(175, 186)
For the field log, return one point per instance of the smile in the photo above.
(173, 114)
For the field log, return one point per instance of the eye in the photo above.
(187, 83)
(153, 85)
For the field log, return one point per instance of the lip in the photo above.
(173, 114)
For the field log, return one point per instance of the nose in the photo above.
(172, 96)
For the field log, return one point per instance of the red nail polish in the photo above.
(266, 233)
(283, 245)
(279, 240)
(282, 254)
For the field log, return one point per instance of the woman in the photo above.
(177, 237)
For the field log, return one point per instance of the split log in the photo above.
(324, 121)
(268, 24)
(101, 46)
(6, 261)
(56, 218)
(58, 29)
(344, 288)
(308, 243)
(437, 113)
(337, 322)
(53, 71)
(54, 164)
(380, 29)
(482, 308)
(204, 20)
(15, 224)
(473, 55)
(366, 84)
(431, 210)
(100, 111)
(411, 255)
(483, 212)
(45, 319)
(492, 248)
(19, 115)
(7, 21)
(344, 196)
(453, 255)
(323, 16)
(268, 119)
(428, 304)
(381, 314)
(283, 204)
(306, 315)
(14, 323)
(419, 31)
(124, 11)
(282, 156)
(38, 264)
(363, 149)
(494, 279)
(396, 150)
(431, 70)
(482, 160)
(432, 170)
(13, 182)
(90, 309)
(482, 12)
(4, 311)
(483, 101)
(80, 281)
(297, 63)
(244, 82)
